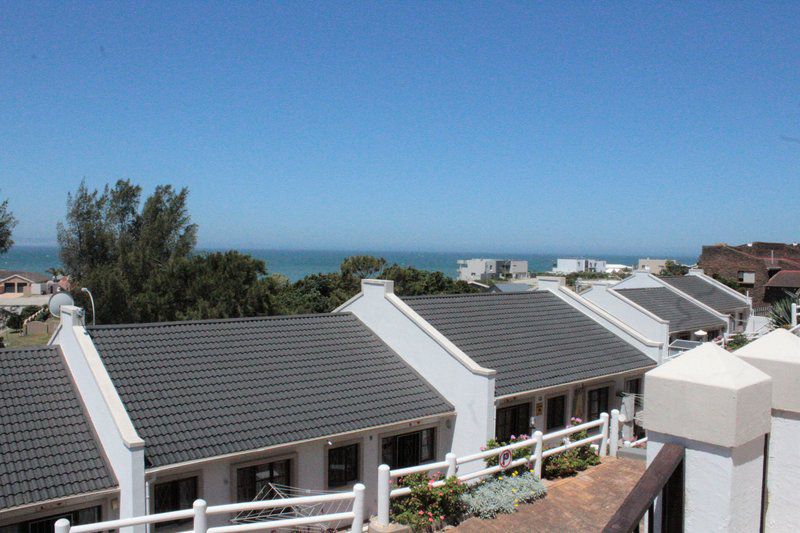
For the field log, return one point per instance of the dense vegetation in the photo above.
(139, 261)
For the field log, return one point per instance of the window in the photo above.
(556, 412)
(748, 278)
(47, 525)
(174, 495)
(514, 420)
(633, 386)
(253, 481)
(410, 449)
(598, 402)
(342, 465)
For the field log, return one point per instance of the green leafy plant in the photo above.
(429, 508)
(737, 341)
(572, 461)
(519, 453)
(781, 314)
(503, 494)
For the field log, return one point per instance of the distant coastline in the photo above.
(296, 264)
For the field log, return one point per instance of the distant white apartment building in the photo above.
(652, 265)
(569, 266)
(486, 269)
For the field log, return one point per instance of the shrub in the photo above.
(572, 461)
(519, 453)
(428, 508)
(502, 494)
(737, 341)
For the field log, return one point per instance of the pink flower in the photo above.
(421, 513)
(483, 448)
(441, 517)
(430, 519)
(513, 437)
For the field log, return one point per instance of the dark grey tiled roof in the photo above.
(706, 293)
(206, 388)
(47, 449)
(533, 339)
(682, 314)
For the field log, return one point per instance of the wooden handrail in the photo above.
(650, 486)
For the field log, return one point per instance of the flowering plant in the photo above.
(429, 507)
(519, 453)
(572, 461)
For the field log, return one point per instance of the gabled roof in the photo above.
(705, 292)
(785, 279)
(533, 340)
(200, 389)
(33, 277)
(682, 314)
(47, 449)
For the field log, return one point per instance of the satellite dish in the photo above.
(57, 300)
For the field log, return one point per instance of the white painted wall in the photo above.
(783, 475)
(635, 317)
(722, 485)
(217, 477)
(464, 383)
(121, 444)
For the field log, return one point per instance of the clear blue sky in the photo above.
(592, 127)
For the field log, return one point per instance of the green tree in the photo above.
(7, 224)
(671, 268)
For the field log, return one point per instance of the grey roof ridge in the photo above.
(214, 321)
(616, 293)
(610, 317)
(698, 273)
(695, 301)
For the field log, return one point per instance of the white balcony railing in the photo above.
(609, 441)
(201, 511)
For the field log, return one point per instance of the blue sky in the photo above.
(588, 127)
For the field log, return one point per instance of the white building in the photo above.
(486, 269)
(570, 266)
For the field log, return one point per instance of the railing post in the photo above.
(451, 464)
(358, 508)
(794, 315)
(200, 517)
(613, 436)
(383, 495)
(604, 430)
(62, 525)
(537, 454)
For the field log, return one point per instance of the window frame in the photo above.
(547, 426)
(359, 463)
(235, 467)
(513, 430)
(398, 434)
(608, 388)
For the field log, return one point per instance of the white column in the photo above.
(717, 407)
(778, 354)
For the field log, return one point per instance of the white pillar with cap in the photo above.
(778, 355)
(718, 408)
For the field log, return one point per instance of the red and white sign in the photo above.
(505, 458)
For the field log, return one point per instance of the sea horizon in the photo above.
(298, 263)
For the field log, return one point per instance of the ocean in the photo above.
(296, 264)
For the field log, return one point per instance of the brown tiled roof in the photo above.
(785, 278)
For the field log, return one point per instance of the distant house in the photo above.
(752, 264)
(654, 266)
(784, 284)
(486, 269)
(571, 266)
(23, 283)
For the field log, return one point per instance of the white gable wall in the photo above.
(464, 383)
(122, 446)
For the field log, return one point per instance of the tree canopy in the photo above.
(7, 224)
(139, 261)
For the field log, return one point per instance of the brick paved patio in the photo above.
(577, 504)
